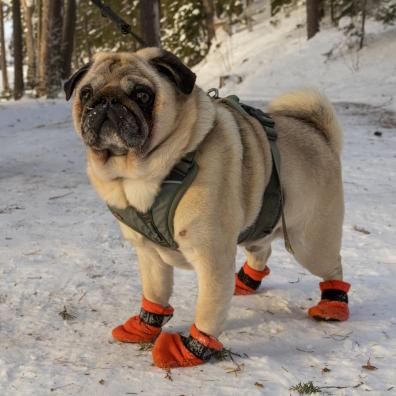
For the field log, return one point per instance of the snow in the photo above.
(61, 248)
(275, 59)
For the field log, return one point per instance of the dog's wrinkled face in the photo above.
(115, 102)
(116, 118)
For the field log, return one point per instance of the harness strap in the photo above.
(269, 127)
(157, 223)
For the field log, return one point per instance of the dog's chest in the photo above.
(140, 193)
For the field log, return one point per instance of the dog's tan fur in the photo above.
(235, 164)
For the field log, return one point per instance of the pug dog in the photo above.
(139, 114)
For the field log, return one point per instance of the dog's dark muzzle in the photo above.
(107, 124)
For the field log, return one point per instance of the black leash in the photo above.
(124, 27)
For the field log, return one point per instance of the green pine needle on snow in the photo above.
(145, 346)
(307, 388)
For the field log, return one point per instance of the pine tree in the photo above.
(43, 40)
(363, 25)
(69, 27)
(209, 11)
(230, 10)
(183, 31)
(276, 5)
(312, 18)
(28, 11)
(55, 49)
(50, 53)
(386, 11)
(39, 35)
(150, 22)
(18, 54)
(3, 58)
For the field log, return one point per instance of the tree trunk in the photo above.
(209, 19)
(3, 59)
(363, 28)
(43, 35)
(322, 9)
(312, 18)
(88, 43)
(69, 27)
(150, 22)
(332, 12)
(39, 16)
(247, 14)
(18, 55)
(28, 8)
(55, 50)
(50, 53)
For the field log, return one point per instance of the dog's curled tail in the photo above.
(314, 108)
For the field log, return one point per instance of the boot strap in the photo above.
(154, 319)
(247, 280)
(335, 295)
(199, 350)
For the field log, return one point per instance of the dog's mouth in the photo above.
(111, 125)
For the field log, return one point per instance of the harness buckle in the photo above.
(213, 93)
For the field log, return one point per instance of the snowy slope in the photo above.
(272, 60)
(60, 247)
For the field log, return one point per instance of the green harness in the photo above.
(157, 223)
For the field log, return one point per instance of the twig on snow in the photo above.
(341, 387)
(236, 370)
(168, 375)
(60, 196)
(361, 230)
(339, 337)
(305, 350)
(61, 387)
(65, 315)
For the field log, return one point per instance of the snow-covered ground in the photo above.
(274, 59)
(61, 252)
(60, 248)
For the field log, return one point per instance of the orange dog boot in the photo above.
(146, 326)
(173, 350)
(334, 302)
(248, 280)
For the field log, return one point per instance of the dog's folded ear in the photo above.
(73, 80)
(175, 70)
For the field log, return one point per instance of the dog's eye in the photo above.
(144, 96)
(86, 93)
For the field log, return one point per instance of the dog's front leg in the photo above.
(215, 268)
(157, 282)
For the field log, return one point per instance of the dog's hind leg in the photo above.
(317, 244)
(157, 282)
(255, 268)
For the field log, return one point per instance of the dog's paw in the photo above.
(334, 303)
(330, 311)
(173, 350)
(248, 280)
(135, 330)
(146, 326)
